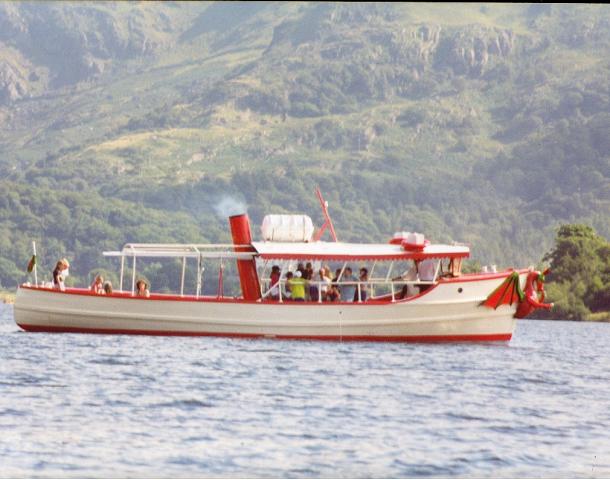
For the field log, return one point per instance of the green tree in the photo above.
(580, 272)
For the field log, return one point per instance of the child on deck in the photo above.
(97, 286)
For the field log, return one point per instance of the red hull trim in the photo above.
(494, 337)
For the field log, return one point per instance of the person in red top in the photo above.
(274, 283)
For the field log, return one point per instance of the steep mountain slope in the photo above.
(479, 123)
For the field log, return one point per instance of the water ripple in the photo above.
(120, 406)
(190, 404)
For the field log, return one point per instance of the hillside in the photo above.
(485, 124)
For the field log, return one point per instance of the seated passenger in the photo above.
(287, 291)
(336, 291)
(297, 287)
(107, 288)
(142, 289)
(97, 286)
(333, 294)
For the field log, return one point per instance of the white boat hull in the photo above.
(451, 311)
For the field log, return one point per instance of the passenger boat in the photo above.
(450, 305)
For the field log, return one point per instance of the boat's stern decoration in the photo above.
(534, 294)
(507, 293)
(510, 292)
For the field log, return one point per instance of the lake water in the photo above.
(108, 406)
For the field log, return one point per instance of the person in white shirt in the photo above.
(427, 269)
(409, 290)
(325, 283)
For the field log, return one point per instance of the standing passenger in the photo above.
(309, 270)
(410, 276)
(364, 278)
(348, 287)
(325, 284)
(59, 274)
(275, 283)
(427, 272)
(312, 290)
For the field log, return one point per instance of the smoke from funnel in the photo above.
(229, 206)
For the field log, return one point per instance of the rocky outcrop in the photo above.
(414, 45)
(18, 77)
(473, 49)
(467, 50)
(74, 42)
(12, 84)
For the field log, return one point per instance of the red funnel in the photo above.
(240, 229)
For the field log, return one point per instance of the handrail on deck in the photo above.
(358, 284)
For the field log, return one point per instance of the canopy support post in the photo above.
(372, 285)
(199, 273)
(182, 278)
(438, 265)
(388, 276)
(133, 277)
(220, 291)
(279, 284)
(122, 272)
(263, 277)
(35, 262)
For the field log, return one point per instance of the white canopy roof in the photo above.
(176, 250)
(293, 251)
(354, 251)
